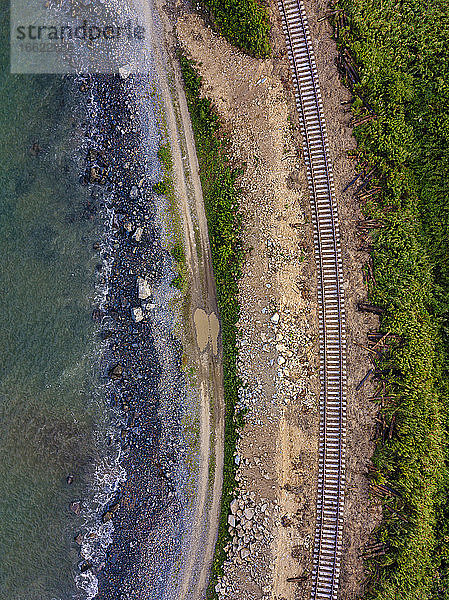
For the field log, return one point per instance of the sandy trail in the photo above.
(204, 347)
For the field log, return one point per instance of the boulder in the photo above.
(144, 290)
(76, 507)
(231, 520)
(137, 235)
(137, 314)
(116, 372)
(249, 513)
(234, 506)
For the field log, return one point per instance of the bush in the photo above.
(244, 23)
(402, 51)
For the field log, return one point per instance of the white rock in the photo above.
(234, 506)
(137, 314)
(143, 288)
(244, 553)
(137, 235)
(281, 360)
(231, 520)
(125, 71)
(249, 513)
(275, 318)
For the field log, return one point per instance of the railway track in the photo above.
(331, 477)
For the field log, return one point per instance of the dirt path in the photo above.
(202, 340)
(277, 453)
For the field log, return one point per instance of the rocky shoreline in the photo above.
(141, 362)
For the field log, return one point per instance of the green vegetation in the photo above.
(218, 180)
(160, 187)
(243, 22)
(401, 91)
(165, 188)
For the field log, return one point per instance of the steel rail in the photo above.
(331, 477)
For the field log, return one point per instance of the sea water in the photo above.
(76, 447)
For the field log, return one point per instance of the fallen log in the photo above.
(365, 307)
(374, 554)
(362, 120)
(360, 384)
(395, 512)
(352, 181)
(368, 194)
(298, 579)
(375, 335)
(368, 224)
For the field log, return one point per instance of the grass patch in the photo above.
(166, 188)
(221, 199)
(243, 22)
(401, 54)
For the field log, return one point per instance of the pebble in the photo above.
(249, 513)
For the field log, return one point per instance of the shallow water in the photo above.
(47, 412)
(59, 413)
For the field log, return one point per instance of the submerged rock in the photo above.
(76, 507)
(84, 566)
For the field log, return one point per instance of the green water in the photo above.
(47, 337)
